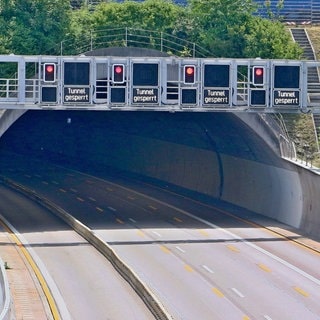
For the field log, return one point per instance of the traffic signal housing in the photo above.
(49, 72)
(258, 76)
(118, 73)
(189, 74)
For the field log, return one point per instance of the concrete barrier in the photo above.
(124, 270)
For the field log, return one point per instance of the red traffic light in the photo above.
(49, 72)
(118, 73)
(189, 74)
(258, 76)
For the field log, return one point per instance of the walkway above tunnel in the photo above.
(157, 84)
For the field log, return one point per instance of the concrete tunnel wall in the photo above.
(217, 155)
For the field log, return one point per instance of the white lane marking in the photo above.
(132, 220)
(267, 317)
(157, 234)
(92, 199)
(267, 253)
(180, 249)
(73, 190)
(207, 268)
(112, 209)
(237, 292)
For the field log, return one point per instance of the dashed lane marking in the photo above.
(301, 291)
(264, 267)
(180, 249)
(233, 248)
(140, 234)
(237, 292)
(120, 221)
(207, 268)
(217, 292)
(164, 249)
(203, 232)
(188, 268)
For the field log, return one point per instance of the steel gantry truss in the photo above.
(158, 84)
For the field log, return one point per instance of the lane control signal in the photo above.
(189, 73)
(118, 73)
(49, 72)
(258, 75)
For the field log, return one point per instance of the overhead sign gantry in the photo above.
(158, 84)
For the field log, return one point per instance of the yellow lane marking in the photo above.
(233, 248)
(62, 190)
(119, 221)
(80, 199)
(188, 268)
(177, 219)
(140, 233)
(204, 232)
(109, 189)
(264, 267)
(164, 249)
(245, 318)
(37, 272)
(99, 209)
(217, 292)
(301, 291)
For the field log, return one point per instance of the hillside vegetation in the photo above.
(301, 127)
(225, 28)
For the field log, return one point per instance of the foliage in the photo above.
(108, 17)
(226, 28)
(230, 29)
(32, 26)
(269, 40)
(303, 134)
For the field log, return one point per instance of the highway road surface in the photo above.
(84, 284)
(202, 262)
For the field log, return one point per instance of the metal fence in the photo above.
(133, 37)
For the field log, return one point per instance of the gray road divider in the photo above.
(150, 300)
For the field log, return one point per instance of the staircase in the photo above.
(300, 36)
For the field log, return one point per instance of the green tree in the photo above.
(220, 25)
(269, 40)
(228, 28)
(101, 24)
(33, 26)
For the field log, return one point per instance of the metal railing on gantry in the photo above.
(157, 84)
